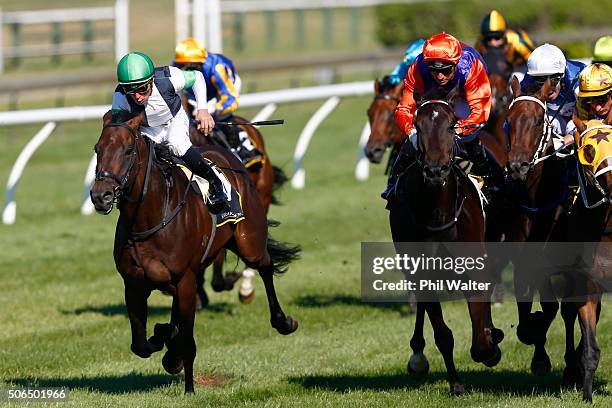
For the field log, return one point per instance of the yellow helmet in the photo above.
(493, 25)
(595, 80)
(190, 51)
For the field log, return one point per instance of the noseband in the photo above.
(121, 181)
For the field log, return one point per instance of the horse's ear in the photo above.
(589, 153)
(136, 120)
(516, 86)
(377, 86)
(106, 119)
(452, 94)
(543, 92)
(418, 98)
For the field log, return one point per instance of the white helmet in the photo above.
(546, 60)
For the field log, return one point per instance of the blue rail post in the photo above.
(271, 29)
(16, 36)
(56, 39)
(327, 28)
(238, 32)
(300, 32)
(88, 38)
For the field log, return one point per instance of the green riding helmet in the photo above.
(134, 68)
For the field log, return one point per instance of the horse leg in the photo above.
(589, 358)
(540, 363)
(246, 293)
(202, 296)
(418, 366)
(569, 311)
(445, 343)
(222, 282)
(184, 313)
(485, 337)
(136, 304)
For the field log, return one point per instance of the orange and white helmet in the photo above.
(443, 48)
(190, 51)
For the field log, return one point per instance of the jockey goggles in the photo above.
(137, 88)
(192, 67)
(438, 67)
(598, 100)
(555, 79)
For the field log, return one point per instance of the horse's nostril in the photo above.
(107, 197)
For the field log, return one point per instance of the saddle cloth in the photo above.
(235, 213)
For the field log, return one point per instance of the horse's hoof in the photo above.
(165, 331)
(230, 279)
(570, 378)
(418, 366)
(246, 299)
(202, 300)
(288, 326)
(456, 389)
(218, 286)
(524, 335)
(497, 335)
(141, 352)
(541, 367)
(172, 364)
(493, 360)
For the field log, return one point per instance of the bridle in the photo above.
(119, 190)
(387, 97)
(546, 137)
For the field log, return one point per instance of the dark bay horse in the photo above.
(588, 221)
(536, 190)
(268, 179)
(384, 131)
(448, 209)
(165, 236)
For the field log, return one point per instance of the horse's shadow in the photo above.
(120, 384)
(492, 382)
(120, 310)
(316, 301)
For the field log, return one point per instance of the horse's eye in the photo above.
(129, 151)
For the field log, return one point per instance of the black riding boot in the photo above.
(217, 197)
(404, 159)
(232, 133)
(484, 167)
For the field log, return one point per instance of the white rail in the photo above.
(268, 100)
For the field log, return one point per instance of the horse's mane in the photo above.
(385, 84)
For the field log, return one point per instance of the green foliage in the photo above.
(401, 24)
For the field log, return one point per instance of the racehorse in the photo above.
(384, 131)
(165, 236)
(448, 209)
(536, 188)
(589, 220)
(267, 179)
(499, 75)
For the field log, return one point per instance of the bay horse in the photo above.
(165, 236)
(589, 220)
(536, 189)
(268, 179)
(384, 132)
(448, 209)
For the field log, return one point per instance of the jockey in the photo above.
(548, 62)
(595, 92)
(602, 51)
(399, 72)
(446, 63)
(516, 44)
(155, 91)
(223, 86)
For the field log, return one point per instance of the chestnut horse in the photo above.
(448, 209)
(536, 188)
(589, 220)
(165, 236)
(267, 179)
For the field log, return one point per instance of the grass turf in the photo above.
(64, 322)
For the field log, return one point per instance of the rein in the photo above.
(167, 217)
(546, 132)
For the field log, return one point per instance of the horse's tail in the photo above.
(280, 178)
(281, 253)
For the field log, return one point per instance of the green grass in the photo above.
(64, 322)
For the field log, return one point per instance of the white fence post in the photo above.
(199, 21)
(86, 204)
(181, 19)
(298, 179)
(10, 207)
(362, 169)
(122, 28)
(215, 36)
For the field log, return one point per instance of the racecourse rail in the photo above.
(332, 95)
